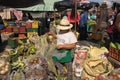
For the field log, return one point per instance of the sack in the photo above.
(62, 55)
(94, 67)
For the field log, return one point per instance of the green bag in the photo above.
(62, 55)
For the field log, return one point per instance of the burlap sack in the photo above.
(93, 67)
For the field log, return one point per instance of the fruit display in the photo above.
(29, 60)
(115, 45)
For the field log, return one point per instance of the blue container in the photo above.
(1, 26)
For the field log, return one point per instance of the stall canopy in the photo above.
(47, 6)
(20, 3)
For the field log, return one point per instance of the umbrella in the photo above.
(109, 2)
(62, 5)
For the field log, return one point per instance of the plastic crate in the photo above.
(35, 24)
(22, 30)
(23, 39)
(32, 29)
(114, 53)
(28, 24)
(12, 42)
(9, 29)
(31, 33)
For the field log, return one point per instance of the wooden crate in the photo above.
(114, 53)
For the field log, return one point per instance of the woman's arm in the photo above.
(66, 46)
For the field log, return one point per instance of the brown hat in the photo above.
(103, 5)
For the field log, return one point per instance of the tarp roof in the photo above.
(47, 6)
(20, 3)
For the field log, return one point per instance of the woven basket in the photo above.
(96, 36)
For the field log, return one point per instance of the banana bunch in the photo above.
(19, 63)
(91, 22)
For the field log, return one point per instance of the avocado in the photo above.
(112, 45)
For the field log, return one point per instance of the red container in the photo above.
(22, 35)
(22, 29)
(9, 29)
(28, 25)
(3, 30)
(114, 53)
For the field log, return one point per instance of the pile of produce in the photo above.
(91, 22)
(31, 61)
(5, 66)
(21, 52)
(115, 45)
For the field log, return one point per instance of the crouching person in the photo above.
(66, 41)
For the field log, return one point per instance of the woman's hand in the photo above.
(59, 46)
(52, 34)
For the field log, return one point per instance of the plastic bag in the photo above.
(94, 67)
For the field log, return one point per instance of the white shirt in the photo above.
(66, 38)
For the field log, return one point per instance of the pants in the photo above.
(83, 32)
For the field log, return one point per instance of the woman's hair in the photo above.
(72, 16)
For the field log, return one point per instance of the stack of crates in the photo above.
(33, 29)
(22, 31)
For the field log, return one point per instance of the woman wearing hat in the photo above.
(66, 40)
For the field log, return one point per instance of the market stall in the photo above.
(29, 56)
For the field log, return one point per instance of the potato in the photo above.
(2, 72)
(2, 63)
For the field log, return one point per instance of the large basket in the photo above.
(114, 53)
(96, 36)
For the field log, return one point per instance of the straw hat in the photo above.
(64, 25)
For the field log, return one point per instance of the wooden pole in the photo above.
(75, 15)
